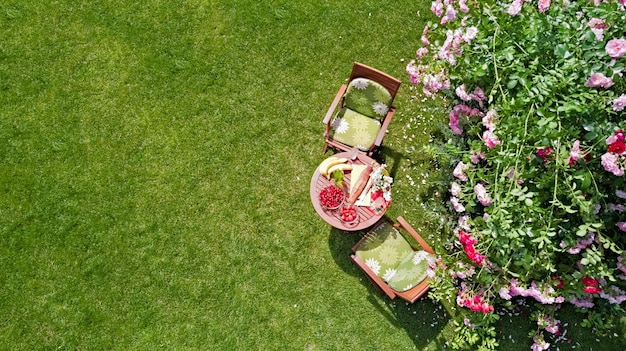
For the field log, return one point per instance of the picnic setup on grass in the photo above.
(351, 191)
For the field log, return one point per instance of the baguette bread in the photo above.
(359, 184)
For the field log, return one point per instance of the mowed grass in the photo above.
(155, 166)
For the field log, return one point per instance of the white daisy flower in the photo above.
(380, 108)
(360, 84)
(420, 256)
(389, 273)
(340, 125)
(373, 265)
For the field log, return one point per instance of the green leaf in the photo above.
(560, 50)
(528, 202)
(337, 177)
(524, 82)
(591, 136)
(542, 122)
(589, 126)
(511, 84)
(586, 181)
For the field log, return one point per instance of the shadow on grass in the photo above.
(423, 321)
(389, 156)
(340, 244)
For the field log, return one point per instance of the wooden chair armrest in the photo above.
(415, 236)
(373, 277)
(384, 127)
(334, 105)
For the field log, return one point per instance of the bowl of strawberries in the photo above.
(331, 197)
(348, 214)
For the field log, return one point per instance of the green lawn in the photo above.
(155, 159)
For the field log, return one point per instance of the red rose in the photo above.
(589, 281)
(617, 147)
(620, 135)
(465, 238)
(543, 153)
(592, 289)
(561, 282)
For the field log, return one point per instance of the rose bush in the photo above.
(537, 154)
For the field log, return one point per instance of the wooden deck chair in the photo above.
(361, 111)
(391, 263)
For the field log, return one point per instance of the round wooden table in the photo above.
(367, 218)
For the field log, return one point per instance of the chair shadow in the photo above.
(423, 321)
(340, 244)
(385, 155)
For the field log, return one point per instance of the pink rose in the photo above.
(450, 15)
(574, 153)
(459, 171)
(456, 203)
(599, 80)
(597, 26)
(437, 8)
(470, 34)
(424, 38)
(619, 103)
(610, 163)
(478, 95)
(490, 139)
(463, 6)
(477, 156)
(616, 48)
(597, 23)
(421, 52)
(489, 120)
(543, 5)
(454, 123)
(516, 7)
(482, 195)
(455, 189)
(461, 92)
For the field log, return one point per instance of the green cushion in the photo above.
(411, 271)
(368, 97)
(383, 250)
(354, 129)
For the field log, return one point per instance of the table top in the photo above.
(367, 218)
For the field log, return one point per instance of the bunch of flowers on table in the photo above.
(381, 187)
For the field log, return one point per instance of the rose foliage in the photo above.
(537, 157)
